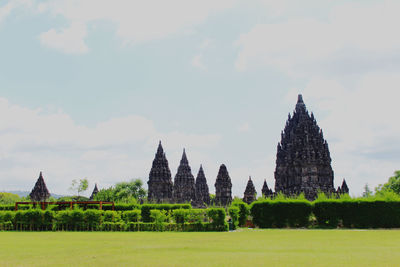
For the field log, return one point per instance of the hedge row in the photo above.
(329, 213)
(357, 213)
(279, 214)
(212, 219)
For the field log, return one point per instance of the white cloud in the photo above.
(135, 21)
(69, 40)
(115, 150)
(11, 5)
(197, 62)
(244, 127)
(354, 38)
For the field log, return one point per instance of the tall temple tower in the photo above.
(39, 191)
(223, 187)
(184, 186)
(160, 181)
(303, 162)
(250, 192)
(202, 192)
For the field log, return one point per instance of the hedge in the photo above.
(244, 211)
(356, 213)
(145, 208)
(281, 213)
(99, 220)
(233, 211)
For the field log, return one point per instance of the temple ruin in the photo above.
(160, 182)
(303, 162)
(184, 190)
(39, 191)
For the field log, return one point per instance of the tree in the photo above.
(79, 186)
(393, 184)
(367, 192)
(8, 198)
(126, 192)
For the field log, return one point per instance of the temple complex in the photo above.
(303, 162)
(250, 193)
(40, 191)
(223, 187)
(184, 190)
(160, 181)
(266, 192)
(202, 192)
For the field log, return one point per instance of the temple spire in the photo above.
(160, 181)
(250, 193)
(202, 192)
(223, 187)
(95, 191)
(40, 191)
(184, 184)
(300, 106)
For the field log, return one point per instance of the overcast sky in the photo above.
(89, 87)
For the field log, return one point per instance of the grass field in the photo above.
(240, 248)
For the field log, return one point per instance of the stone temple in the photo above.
(160, 181)
(39, 191)
(303, 162)
(223, 187)
(184, 190)
(250, 192)
(202, 192)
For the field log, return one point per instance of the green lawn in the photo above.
(241, 248)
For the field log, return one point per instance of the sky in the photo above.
(89, 87)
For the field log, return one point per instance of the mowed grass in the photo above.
(240, 248)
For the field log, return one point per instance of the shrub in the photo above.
(92, 219)
(146, 208)
(234, 213)
(244, 211)
(131, 216)
(111, 216)
(281, 213)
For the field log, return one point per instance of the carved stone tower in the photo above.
(223, 187)
(266, 192)
(160, 181)
(184, 186)
(39, 191)
(250, 193)
(303, 162)
(95, 191)
(202, 192)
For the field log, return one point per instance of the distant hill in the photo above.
(26, 193)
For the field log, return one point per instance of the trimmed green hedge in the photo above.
(145, 208)
(356, 213)
(174, 218)
(244, 211)
(280, 214)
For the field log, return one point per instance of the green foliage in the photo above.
(367, 192)
(8, 198)
(217, 215)
(79, 186)
(281, 213)
(131, 216)
(233, 212)
(393, 184)
(124, 192)
(244, 211)
(146, 208)
(111, 216)
(358, 213)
